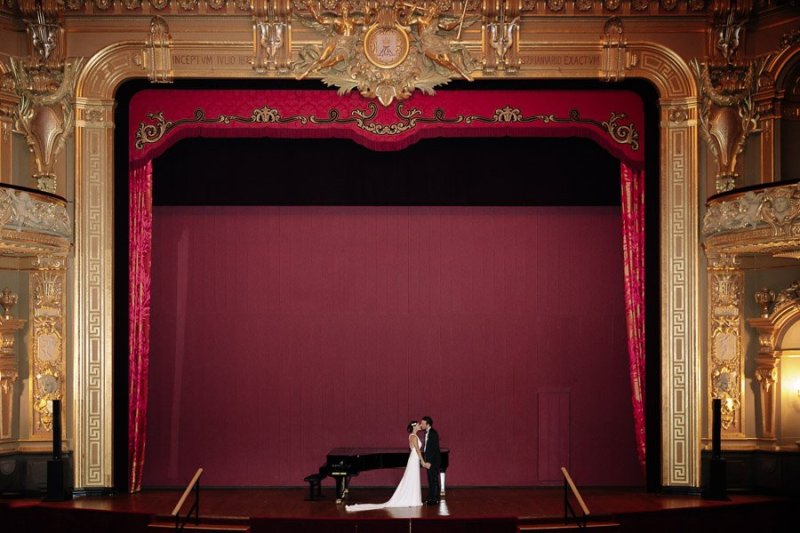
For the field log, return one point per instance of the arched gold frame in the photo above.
(93, 288)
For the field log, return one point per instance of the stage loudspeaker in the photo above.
(56, 469)
(716, 488)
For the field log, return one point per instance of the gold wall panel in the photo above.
(47, 353)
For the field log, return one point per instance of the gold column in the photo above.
(725, 353)
(680, 363)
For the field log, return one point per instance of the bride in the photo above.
(409, 492)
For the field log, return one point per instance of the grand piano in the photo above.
(343, 463)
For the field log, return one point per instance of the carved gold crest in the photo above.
(386, 47)
(385, 50)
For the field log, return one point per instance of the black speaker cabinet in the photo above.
(717, 486)
(56, 481)
(56, 467)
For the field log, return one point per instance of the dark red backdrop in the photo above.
(279, 333)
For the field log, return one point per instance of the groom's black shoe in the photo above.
(431, 502)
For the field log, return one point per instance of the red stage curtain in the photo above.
(614, 119)
(632, 182)
(140, 237)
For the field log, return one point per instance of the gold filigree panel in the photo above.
(725, 353)
(47, 357)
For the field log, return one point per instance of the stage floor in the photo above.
(630, 509)
(531, 503)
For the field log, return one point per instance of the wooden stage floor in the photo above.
(629, 509)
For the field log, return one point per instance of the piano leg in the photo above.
(341, 487)
(441, 485)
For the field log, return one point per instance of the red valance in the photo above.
(159, 118)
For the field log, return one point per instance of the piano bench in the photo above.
(314, 486)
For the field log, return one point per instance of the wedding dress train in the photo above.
(408, 492)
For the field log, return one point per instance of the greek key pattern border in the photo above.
(93, 286)
(680, 423)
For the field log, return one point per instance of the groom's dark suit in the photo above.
(433, 455)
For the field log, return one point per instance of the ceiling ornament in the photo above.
(385, 52)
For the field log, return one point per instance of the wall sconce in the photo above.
(795, 394)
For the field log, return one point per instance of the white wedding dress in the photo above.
(408, 492)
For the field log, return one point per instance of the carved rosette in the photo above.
(47, 349)
(726, 357)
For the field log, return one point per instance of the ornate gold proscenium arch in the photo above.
(93, 294)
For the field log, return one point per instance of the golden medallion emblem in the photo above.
(386, 46)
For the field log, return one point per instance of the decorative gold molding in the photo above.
(39, 213)
(727, 113)
(157, 58)
(44, 84)
(681, 398)
(765, 221)
(549, 8)
(500, 34)
(272, 35)
(416, 47)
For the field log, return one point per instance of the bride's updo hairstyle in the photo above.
(411, 426)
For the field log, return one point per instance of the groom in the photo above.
(433, 459)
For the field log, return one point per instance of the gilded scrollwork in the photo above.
(727, 113)
(153, 132)
(44, 85)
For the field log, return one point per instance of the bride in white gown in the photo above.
(409, 491)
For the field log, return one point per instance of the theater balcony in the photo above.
(751, 237)
(761, 220)
(35, 241)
